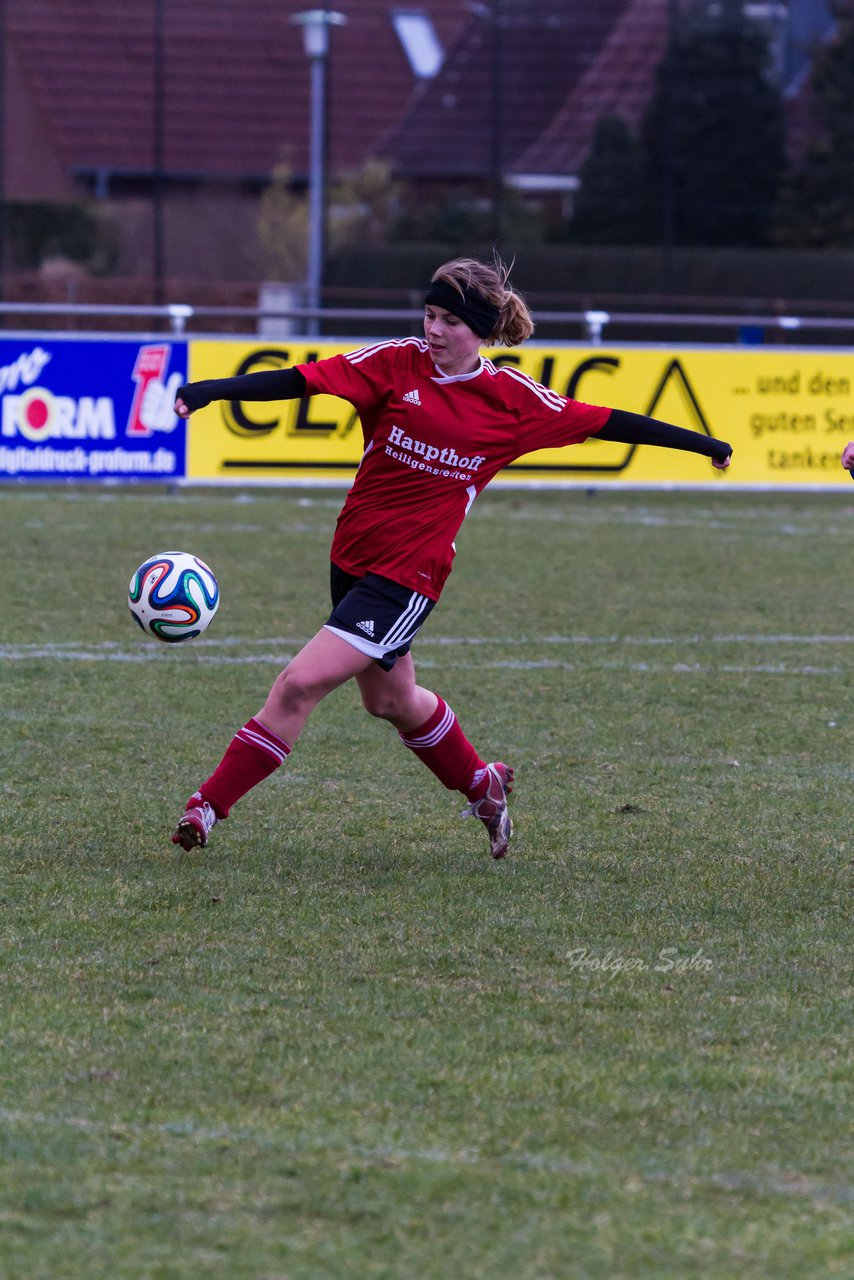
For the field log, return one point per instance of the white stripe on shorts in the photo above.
(362, 643)
(408, 622)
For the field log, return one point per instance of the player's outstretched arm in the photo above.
(635, 428)
(269, 384)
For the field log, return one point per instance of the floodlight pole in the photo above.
(4, 153)
(315, 25)
(669, 175)
(157, 120)
(497, 90)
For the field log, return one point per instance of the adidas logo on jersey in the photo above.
(412, 397)
(367, 627)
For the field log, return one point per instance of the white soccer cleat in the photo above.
(492, 809)
(195, 826)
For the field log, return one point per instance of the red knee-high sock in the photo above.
(252, 755)
(445, 749)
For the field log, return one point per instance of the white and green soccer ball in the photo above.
(173, 596)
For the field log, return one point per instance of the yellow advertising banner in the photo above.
(787, 413)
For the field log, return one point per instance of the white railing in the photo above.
(181, 318)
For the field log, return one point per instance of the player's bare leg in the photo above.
(428, 726)
(265, 741)
(396, 696)
(322, 665)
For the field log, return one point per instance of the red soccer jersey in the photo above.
(432, 442)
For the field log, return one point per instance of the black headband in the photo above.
(471, 307)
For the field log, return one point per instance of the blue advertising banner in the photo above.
(91, 409)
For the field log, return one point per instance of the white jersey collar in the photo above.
(445, 378)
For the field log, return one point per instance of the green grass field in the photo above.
(342, 1042)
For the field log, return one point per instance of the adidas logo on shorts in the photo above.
(412, 397)
(367, 627)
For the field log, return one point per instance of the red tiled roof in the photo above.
(506, 85)
(525, 95)
(235, 80)
(619, 82)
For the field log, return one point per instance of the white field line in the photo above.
(749, 521)
(278, 651)
(608, 507)
(153, 649)
(643, 668)
(736, 1183)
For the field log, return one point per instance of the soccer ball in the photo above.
(173, 596)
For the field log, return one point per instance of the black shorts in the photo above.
(375, 615)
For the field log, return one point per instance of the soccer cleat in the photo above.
(194, 828)
(492, 810)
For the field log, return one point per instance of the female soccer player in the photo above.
(439, 422)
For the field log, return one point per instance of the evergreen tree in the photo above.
(714, 131)
(612, 205)
(817, 207)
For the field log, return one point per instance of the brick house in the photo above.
(187, 106)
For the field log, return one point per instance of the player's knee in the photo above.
(382, 704)
(295, 689)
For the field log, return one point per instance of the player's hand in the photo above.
(848, 455)
(722, 465)
(192, 396)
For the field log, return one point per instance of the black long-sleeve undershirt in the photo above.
(634, 428)
(268, 384)
(290, 384)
